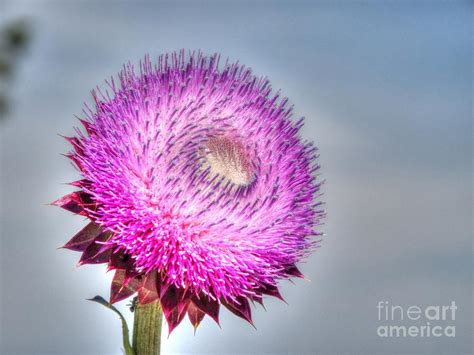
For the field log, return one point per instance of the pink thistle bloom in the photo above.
(199, 190)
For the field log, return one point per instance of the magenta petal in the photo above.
(240, 309)
(148, 292)
(84, 238)
(195, 315)
(122, 288)
(208, 306)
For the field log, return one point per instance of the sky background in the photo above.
(386, 90)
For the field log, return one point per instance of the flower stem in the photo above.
(147, 329)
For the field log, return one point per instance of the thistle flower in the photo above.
(199, 190)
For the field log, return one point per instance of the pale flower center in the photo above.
(226, 157)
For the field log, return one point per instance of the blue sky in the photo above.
(386, 90)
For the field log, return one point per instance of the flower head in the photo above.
(199, 190)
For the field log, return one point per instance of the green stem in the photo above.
(147, 329)
(126, 341)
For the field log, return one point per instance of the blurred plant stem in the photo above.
(14, 38)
